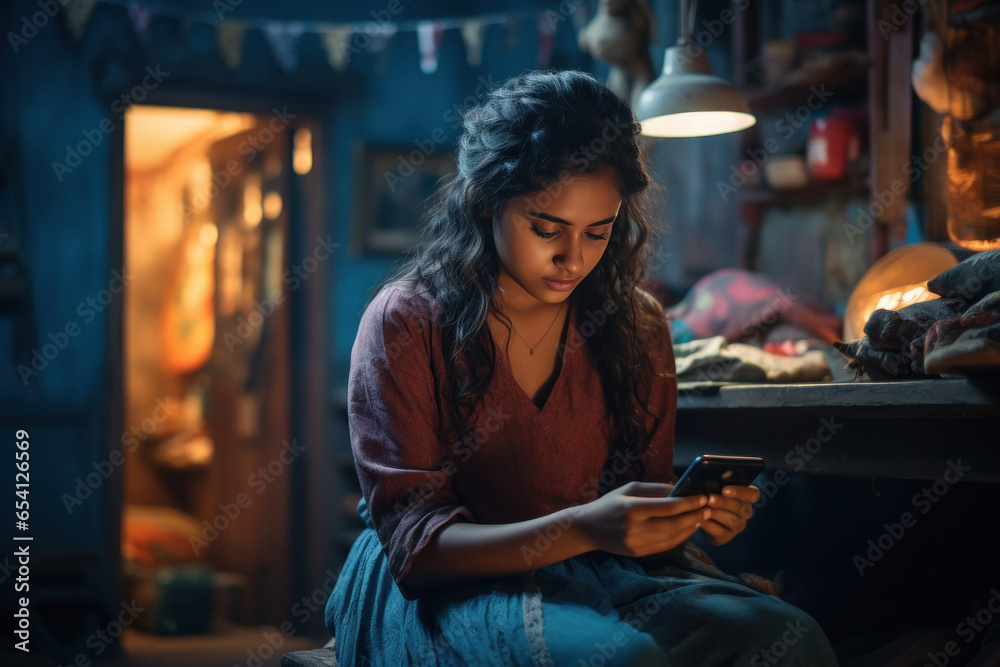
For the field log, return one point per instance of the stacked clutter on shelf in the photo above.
(956, 335)
(741, 326)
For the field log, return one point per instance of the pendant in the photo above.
(531, 352)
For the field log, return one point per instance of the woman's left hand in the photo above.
(730, 512)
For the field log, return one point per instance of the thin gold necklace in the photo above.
(531, 349)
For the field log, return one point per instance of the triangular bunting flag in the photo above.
(472, 35)
(283, 39)
(229, 37)
(379, 36)
(336, 42)
(141, 18)
(77, 15)
(546, 41)
(429, 38)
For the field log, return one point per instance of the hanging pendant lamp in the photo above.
(687, 100)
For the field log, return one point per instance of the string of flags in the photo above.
(340, 41)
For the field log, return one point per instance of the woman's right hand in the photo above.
(638, 519)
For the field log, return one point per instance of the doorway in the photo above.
(209, 441)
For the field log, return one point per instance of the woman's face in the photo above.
(556, 234)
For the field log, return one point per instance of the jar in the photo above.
(833, 144)
(973, 182)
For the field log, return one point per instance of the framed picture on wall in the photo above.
(396, 187)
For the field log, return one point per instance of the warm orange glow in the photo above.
(896, 298)
(172, 220)
(302, 157)
(208, 234)
(200, 183)
(157, 135)
(272, 205)
(894, 281)
(978, 246)
(252, 207)
(230, 270)
(973, 214)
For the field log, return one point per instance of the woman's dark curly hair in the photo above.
(529, 133)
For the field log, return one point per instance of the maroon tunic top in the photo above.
(522, 462)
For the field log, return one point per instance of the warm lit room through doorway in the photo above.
(206, 374)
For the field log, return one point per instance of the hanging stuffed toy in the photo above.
(619, 35)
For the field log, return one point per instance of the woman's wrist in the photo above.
(577, 532)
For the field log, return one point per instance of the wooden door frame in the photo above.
(308, 382)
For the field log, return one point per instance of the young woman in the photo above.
(512, 403)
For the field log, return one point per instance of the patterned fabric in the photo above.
(743, 306)
(594, 609)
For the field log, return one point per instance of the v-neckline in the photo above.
(563, 358)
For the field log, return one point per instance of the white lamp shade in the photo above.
(686, 100)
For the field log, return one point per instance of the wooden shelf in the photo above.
(903, 430)
(839, 82)
(812, 192)
(947, 398)
(878, 75)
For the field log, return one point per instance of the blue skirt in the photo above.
(592, 610)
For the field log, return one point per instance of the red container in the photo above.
(833, 144)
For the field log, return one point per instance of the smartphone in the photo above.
(710, 473)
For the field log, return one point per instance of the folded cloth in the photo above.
(880, 365)
(702, 361)
(976, 352)
(958, 334)
(904, 330)
(966, 345)
(897, 329)
(971, 279)
(713, 359)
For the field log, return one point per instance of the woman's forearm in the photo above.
(469, 550)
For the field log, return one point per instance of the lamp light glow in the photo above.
(696, 123)
(687, 100)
